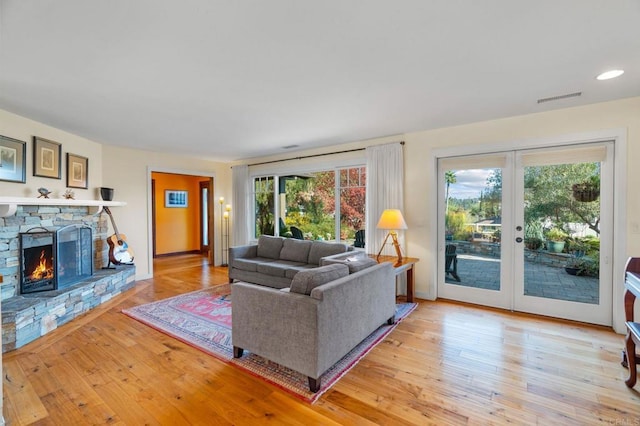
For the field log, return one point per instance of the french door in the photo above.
(499, 215)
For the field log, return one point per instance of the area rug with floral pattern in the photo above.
(202, 319)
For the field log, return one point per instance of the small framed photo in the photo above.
(46, 158)
(175, 198)
(13, 164)
(77, 171)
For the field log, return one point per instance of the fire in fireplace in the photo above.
(53, 260)
(44, 270)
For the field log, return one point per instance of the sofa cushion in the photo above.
(295, 250)
(293, 270)
(305, 281)
(250, 264)
(320, 249)
(269, 246)
(274, 269)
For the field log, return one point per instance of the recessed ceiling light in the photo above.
(610, 74)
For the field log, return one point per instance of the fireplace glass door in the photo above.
(54, 260)
(74, 255)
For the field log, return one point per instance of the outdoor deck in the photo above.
(540, 280)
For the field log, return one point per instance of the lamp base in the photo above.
(396, 245)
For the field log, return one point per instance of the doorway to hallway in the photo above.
(186, 226)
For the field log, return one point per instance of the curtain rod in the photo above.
(311, 156)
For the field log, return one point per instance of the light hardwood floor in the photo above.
(447, 363)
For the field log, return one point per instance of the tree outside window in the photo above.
(307, 201)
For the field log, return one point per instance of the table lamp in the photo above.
(392, 220)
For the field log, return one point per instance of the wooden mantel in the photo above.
(9, 205)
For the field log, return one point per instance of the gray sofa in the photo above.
(274, 261)
(312, 325)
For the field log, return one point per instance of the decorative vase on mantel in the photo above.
(106, 193)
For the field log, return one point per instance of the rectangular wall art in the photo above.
(12, 160)
(77, 171)
(46, 158)
(175, 198)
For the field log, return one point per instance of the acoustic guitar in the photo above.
(119, 250)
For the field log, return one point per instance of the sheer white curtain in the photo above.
(385, 187)
(241, 191)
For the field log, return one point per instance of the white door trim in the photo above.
(213, 245)
(619, 138)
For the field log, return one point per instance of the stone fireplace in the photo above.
(54, 260)
(75, 237)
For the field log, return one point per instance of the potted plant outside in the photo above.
(533, 243)
(533, 236)
(555, 240)
(582, 266)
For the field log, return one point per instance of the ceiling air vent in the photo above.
(557, 98)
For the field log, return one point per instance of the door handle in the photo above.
(519, 240)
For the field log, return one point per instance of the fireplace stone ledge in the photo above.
(29, 316)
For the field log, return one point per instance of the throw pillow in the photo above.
(305, 281)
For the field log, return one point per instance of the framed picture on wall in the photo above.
(46, 158)
(77, 171)
(176, 198)
(13, 164)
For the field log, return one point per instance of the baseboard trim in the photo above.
(178, 253)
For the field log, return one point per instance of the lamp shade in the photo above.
(391, 219)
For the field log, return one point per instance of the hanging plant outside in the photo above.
(588, 190)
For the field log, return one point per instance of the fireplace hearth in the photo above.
(54, 260)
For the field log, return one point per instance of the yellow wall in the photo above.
(177, 229)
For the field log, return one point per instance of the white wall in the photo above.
(23, 129)
(125, 170)
(621, 115)
(128, 171)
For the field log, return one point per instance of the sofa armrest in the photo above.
(352, 308)
(340, 257)
(278, 325)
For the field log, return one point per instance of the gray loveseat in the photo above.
(274, 261)
(310, 326)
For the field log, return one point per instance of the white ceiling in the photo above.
(234, 79)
